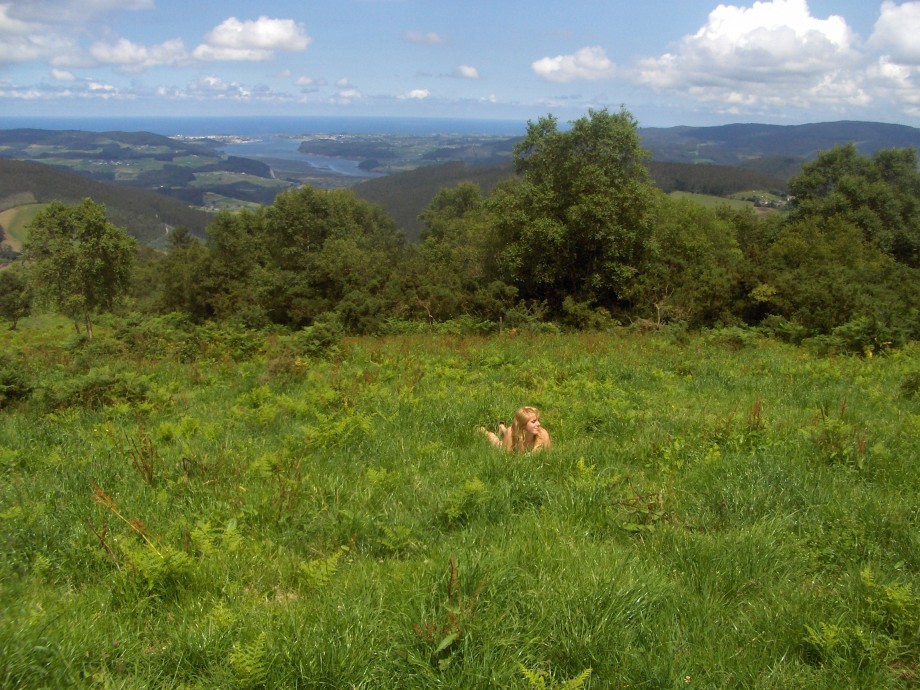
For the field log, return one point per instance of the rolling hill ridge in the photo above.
(146, 215)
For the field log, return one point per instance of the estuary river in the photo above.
(266, 148)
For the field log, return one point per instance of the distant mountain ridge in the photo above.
(738, 144)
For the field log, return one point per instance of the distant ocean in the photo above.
(262, 126)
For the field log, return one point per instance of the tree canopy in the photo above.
(82, 262)
(15, 296)
(879, 195)
(308, 253)
(576, 224)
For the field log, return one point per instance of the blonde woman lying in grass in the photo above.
(523, 436)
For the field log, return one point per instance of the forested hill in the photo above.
(740, 157)
(144, 214)
(405, 195)
(19, 143)
(194, 172)
(744, 143)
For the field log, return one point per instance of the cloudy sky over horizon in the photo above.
(669, 62)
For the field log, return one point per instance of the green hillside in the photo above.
(748, 144)
(195, 172)
(404, 195)
(145, 214)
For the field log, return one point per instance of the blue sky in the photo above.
(669, 62)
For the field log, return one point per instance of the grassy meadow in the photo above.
(15, 222)
(202, 507)
(711, 201)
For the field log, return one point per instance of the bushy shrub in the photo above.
(464, 325)
(159, 337)
(95, 352)
(176, 336)
(783, 329)
(100, 386)
(867, 335)
(733, 337)
(910, 386)
(581, 316)
(321, 338)
(14, 382)
(528, 316)
(395, 325)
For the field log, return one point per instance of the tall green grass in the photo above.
(205, 508)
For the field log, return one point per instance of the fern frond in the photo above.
(319, 571)
(537, 679)
(203, 539)
(250, 662)
(578, 681)
(232, 538)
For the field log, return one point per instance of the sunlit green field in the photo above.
(209, 179)
(15, 221)
(712, 201)
(203, 507)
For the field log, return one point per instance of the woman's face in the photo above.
(533, 426)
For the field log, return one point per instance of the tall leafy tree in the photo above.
(182, 276)
(82, 262)
(879, 195)
(329, 251)
(15, 296)
(693, 267)
(459, 271)
(576, 223)
(229, 283)
(310, 252)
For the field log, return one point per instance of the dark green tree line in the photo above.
(578, 235)
(308, 253)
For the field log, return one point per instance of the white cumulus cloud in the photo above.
(467, 72)
(896, 32)
(24, 38)
(252, 40)
(215, 86)
(130, 57)
(770, 53)
(347, 96)
(48, 29)
(587, 63)
(416, 95)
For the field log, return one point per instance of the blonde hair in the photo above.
(519, 427)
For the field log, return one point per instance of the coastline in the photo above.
(247, 127)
